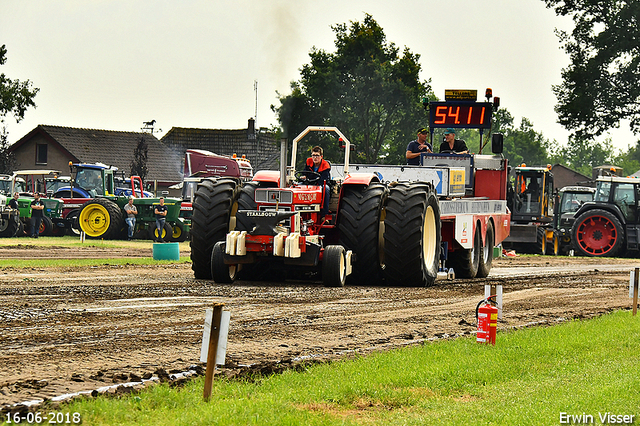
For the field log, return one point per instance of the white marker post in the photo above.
(487, 292)
(216, 350)
(633, 288)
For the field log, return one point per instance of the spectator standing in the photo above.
(161, 213)
(131, 212)
(417, 147)
(37, 213)
(14, 201)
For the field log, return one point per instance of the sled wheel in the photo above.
(466, 262)
(486, 259)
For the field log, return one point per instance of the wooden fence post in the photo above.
(213, 350)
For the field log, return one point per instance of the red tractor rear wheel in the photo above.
(214, 208)
(412, 235)
(598, 232)
(359, 222)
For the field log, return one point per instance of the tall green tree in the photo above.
(15, 98)
(140, 156)
(584, 154)
(601, 86)
(366, 88)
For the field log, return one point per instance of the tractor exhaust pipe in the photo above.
(283, 162)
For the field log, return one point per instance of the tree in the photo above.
(601, 86)
(365, 88)
(7, 159)
(15, 97)
(140, 156)
(584, 154)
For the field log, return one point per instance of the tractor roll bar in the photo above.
(294, 147)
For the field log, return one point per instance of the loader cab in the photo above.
(532, 195)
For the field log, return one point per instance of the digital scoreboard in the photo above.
(457, 114)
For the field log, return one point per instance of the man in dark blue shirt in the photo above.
(161, 213)
(37, 213)
(417, 147)
(451, 144)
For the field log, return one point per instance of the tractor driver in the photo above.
(451, 144)
(317, 164)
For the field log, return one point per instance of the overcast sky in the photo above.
(114, 64)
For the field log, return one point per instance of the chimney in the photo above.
(251, 129)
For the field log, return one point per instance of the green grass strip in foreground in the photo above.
(528, 378)
(60, 263)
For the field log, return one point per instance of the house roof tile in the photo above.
(115, 148)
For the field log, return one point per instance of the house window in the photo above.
(41, 154)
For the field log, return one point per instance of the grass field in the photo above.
(71, 242)
(536, 376)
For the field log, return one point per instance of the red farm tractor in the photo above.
(373, 232)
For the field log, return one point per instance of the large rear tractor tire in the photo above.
(334, 266)
(360, 223)
(598, 232)
(46, 227)
(412, 235)
(486, 259)
(9, 226)
(246, 201)
(101, 218)
(214, 207)
(466, 262)
(221, 272)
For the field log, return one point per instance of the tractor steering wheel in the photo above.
(307, 176)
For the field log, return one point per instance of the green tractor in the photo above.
(25, 183)
(101, 214)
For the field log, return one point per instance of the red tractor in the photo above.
(373, 231)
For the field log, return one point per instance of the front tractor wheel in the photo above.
(334, 266)
(412, 235)
(101, 218)
(220, 271)
(598, 232)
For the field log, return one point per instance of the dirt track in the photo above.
(72, 329)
